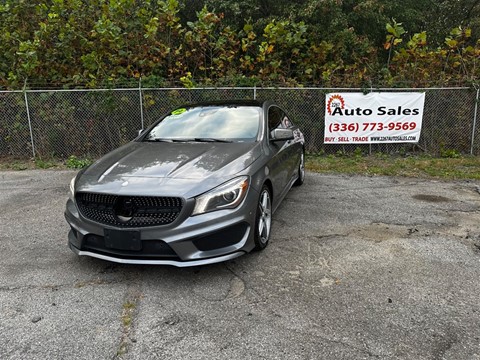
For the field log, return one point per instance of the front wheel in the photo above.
(263, 219)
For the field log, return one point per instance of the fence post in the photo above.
(28, 117)
(141, 101)
(254, 92)
(474, 122)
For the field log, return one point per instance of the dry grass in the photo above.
(465, 167)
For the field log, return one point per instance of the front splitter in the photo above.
(158, 262)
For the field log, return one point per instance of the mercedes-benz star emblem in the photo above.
(124, 209)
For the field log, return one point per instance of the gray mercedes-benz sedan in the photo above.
(197, 187)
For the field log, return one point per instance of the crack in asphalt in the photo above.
(128, 316)
(77, 285)
(365, 350)
(236, 289)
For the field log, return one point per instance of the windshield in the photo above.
(215, 123)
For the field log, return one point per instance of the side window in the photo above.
(275, 117)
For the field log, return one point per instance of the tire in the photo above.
(263, 219)
(301, 171)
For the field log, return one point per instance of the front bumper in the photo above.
(176, 263)
(191, 241)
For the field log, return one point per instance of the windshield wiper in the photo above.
(212, 140)
(187, 140)
(158, 140)
(168, 140)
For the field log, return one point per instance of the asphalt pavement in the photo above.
(357, 268)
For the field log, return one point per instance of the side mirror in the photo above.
(140, 132)
(281, 135)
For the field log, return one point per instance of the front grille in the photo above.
(129, 211)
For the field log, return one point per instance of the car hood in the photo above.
(170, 168)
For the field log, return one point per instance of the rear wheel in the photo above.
(263, 219)
(301, 171)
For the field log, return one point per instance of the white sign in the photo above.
(355, 118)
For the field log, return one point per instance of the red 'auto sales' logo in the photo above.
(335, 101)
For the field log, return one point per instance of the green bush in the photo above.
(75, 163)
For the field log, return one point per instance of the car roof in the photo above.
(226, 103)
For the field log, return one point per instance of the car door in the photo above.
(279, 165)
(295, 148)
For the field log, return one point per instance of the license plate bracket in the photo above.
(123, 240)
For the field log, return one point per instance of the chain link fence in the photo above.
(89, 123)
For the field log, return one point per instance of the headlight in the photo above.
(71, 193)
(226, 196)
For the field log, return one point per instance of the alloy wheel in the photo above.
(265, 218)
